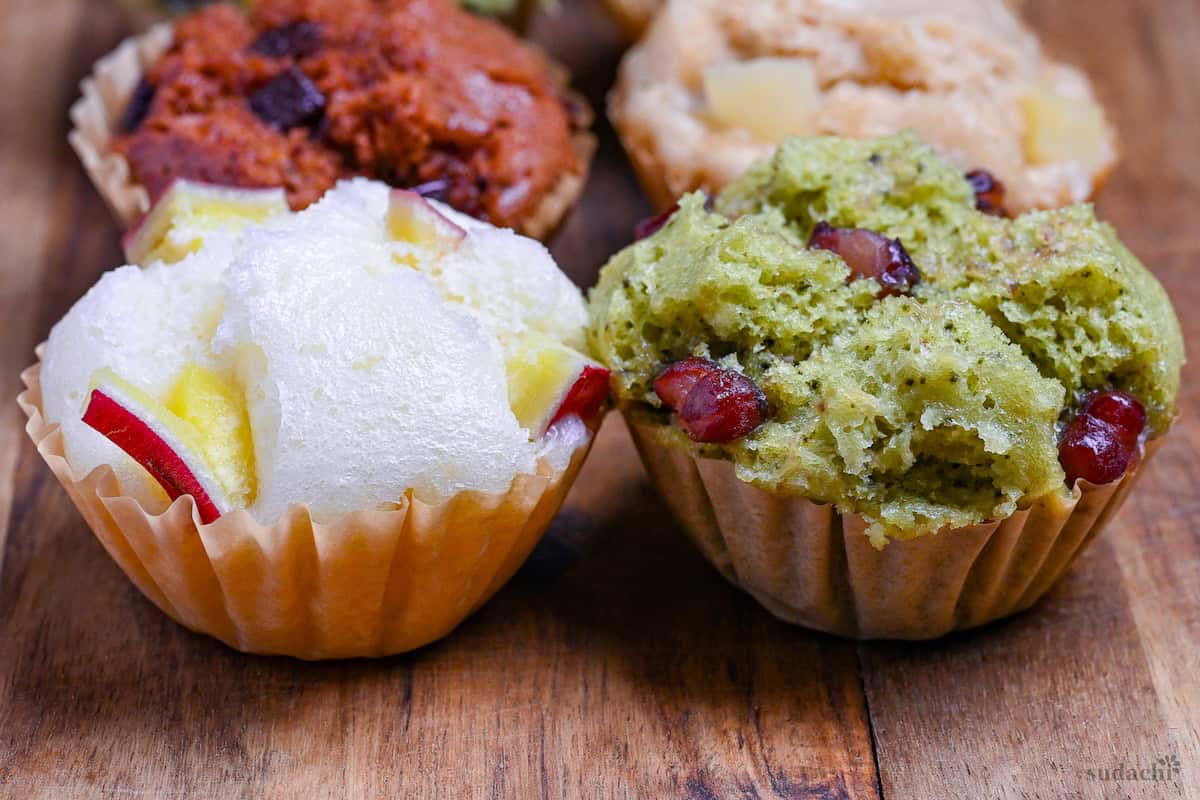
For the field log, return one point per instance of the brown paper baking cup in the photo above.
(105, 94)
(811, 565)
(371, 583)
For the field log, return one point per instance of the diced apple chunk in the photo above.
(586, 396)
(216, 407)
(772, 98)
(176, 224)
(197, 443)
(548, 381)
(1064, 129)
(169, 448)
(413, 219)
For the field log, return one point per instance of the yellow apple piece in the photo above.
(140, 426)
(1064, 129)
(215, 406)
(413, 219)
(200, 447)
(772, 98)
(176, 225)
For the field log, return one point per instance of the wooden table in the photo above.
(617, 664)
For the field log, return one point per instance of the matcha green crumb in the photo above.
(923, 415)
(1083, 308)
(937, 410)
(717, 287)
(895, 185)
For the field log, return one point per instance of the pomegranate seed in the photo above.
(1119, 409)
(723, 406)
(652, 225)
(989, 192)
(869, 255)
(713, 404)
(1095, 450)
(673, 383)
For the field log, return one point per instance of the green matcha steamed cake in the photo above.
(947, 400)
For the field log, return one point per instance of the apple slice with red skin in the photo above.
(411, 218)
(548, 380)
(117, 414)
(585, 397)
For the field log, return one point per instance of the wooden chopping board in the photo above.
(617, 663)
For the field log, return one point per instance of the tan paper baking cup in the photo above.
(813, 566)
(105, 94)
(371, 583)
(97, 112)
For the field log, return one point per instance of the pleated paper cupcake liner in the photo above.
(811, 565)
(106, 93)
(97, 113)
(369, 583)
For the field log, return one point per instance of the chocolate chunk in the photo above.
(288, 100)
(296, 39)
(137, 108)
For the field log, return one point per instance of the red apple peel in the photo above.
(586, 395)
(144, 445)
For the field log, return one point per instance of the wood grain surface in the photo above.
(617, 663)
